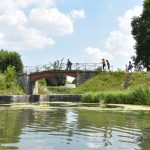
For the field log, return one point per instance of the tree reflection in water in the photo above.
(73, 128)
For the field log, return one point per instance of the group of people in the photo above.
(137, 68)
(106, 66)
(105, 63)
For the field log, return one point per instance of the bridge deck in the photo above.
(62, 68)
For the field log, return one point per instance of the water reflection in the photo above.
(72, 128)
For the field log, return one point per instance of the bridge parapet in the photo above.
(62, 67)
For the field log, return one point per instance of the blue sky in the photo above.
(43, 31)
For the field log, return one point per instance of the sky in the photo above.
(85, 31)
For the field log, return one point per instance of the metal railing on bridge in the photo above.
(63, 67)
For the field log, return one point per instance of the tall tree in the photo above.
(141, 33)
(10, 58)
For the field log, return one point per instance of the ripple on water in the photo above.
(73, 129)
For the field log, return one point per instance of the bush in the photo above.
(8, 85)
(118, 98)
(42, 82)
(87, 98)
(59, 90)
(139, 96)
(10, 76)
(12, 58)
(92, 97)
(2, 82)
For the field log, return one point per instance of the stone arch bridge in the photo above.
(80, 71)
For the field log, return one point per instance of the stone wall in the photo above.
(28, 86)
(64, 97)
(24, 82)
(83, 76)
(38, 98)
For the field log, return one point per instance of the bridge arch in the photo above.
(81, 71)
(48, 74)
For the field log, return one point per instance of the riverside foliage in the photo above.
(8, 84)
(138, 96)
(12, 58)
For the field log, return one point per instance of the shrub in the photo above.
(2, 82)
(42, 82)
(59, 90)
(12, 58)
(87, 98)
(8, 85)
(92, 97)
(141, 96)
(10, 76)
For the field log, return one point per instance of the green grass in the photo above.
(54, 90)
(111, 82)
(117, 88)
(138, 96)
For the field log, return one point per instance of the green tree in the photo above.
(10, 58)
(10, 76)
(141, 34)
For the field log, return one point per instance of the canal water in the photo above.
(72, 128)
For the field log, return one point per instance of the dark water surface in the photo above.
(73, 129)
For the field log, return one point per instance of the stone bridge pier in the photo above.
(30, 87)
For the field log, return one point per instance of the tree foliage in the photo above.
(10, 76)
(141, 34)
(57, 65)
(8, 84)
(12, 58)
(60, 79)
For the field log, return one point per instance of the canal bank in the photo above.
(37, 98)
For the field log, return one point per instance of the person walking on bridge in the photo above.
(69, 64)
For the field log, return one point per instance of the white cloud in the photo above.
(38, 3)
(97, 54)
(36, 39)
(1, 38)
(120, 41)
(75, 14)
(50, 21)
(15, 18)
(31, 24)
(120, 44)
(125, 20)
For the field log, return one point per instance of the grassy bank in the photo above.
(117, 88)
(115, 82)
(111, 87)
(138, 96)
